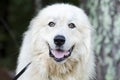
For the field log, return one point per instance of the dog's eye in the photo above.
(71, 25)
(51, 24)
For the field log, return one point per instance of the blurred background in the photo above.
(103, 14)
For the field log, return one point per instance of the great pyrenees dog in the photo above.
(58, 45)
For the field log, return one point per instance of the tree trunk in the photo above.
(105, 17)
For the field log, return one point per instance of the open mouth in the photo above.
(59, 54)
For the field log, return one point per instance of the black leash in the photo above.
(21, 72)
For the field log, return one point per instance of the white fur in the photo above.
(79, 66)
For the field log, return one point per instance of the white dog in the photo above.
(58, 45)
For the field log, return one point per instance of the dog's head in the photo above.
(62, 30)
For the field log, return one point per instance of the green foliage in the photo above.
(14, 19)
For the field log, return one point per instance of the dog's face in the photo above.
(63, 29)
(61, 45)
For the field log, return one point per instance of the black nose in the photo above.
(59, 40)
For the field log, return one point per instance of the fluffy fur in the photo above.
(35, 49)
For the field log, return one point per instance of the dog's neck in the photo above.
(63, 69)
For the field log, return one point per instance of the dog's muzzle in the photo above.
(59, 54)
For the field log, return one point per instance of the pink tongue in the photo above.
(59, 54)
